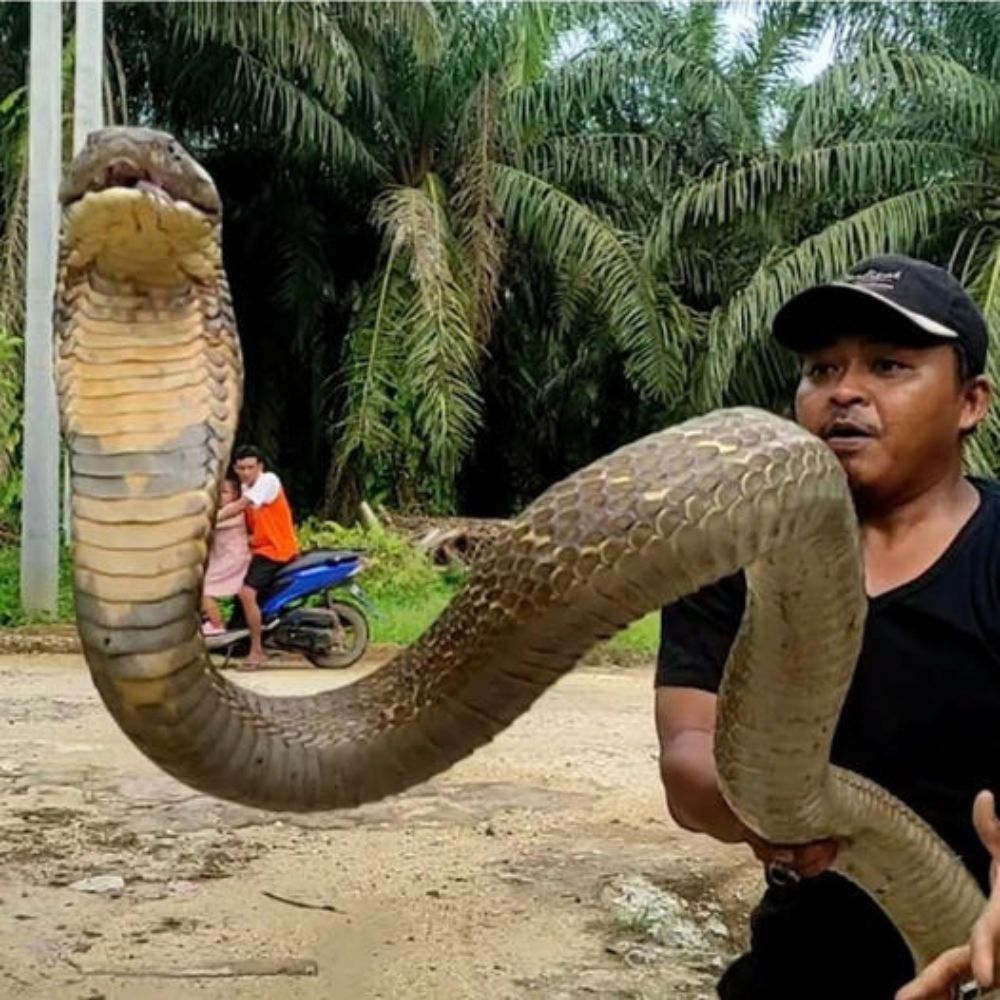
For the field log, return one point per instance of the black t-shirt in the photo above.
(922, 718)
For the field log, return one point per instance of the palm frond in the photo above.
(417, 20)
(300, 39)
(738, 329)
(440, 343)
(785, 30)
(531, 41)
(13, 259)
(701, 27)
(575, 298)
(891, 78)
(366, 381)
(965, 32)
(302, 273)
(14, 247)
(477, 217)
(567, 233)
(301, 119)
(851, 169)
(622, 164)
(573, 91)
(10, 401)
(983, 450)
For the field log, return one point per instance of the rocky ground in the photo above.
(544, 866)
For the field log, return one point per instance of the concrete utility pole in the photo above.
(88, 116)
(40, 515)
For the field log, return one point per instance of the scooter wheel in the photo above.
(350, 638)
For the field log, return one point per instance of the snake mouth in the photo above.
(143, 160)
(124, 174)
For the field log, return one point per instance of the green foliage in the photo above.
(10, 414)
(401, 581)
(738, 329)
(402, 620)
(428, 324)
(571, 235)
(393, 567)
(11, 613)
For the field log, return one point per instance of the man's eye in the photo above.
(888, 365)
(817, 369)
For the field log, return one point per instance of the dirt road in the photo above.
(544, 866)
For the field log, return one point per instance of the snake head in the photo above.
(135, 196)
(139, 159)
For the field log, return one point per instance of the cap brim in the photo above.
(818, 314)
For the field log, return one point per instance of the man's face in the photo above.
(248, 469)
(894, 415)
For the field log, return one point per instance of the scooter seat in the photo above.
(312, 560)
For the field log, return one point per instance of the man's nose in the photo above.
(850, 390)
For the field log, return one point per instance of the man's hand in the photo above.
(977, 959)
(233, 508)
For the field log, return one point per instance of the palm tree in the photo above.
(258, 92)
(532, 155)
(895, 148)
(360, 147)
(653, 97)
(473, 145)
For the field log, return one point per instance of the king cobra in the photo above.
(149, 377)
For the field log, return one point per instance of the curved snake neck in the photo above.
(149, 374)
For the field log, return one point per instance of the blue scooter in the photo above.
(301, 615)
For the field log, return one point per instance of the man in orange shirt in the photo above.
(272, 537)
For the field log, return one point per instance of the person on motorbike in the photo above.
(228, 559)
(273, 543)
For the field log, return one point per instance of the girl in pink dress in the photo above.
(228, 559)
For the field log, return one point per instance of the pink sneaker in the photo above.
(207, 628)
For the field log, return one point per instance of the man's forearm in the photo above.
(693, 796)
(695, 802)
(232, 509)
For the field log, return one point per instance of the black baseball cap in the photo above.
(914, 300)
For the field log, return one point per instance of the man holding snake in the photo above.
(892, 363)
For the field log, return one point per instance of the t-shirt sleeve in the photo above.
(697, 632)
(265, 490)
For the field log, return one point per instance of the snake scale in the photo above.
(149, 377)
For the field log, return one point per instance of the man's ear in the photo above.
(976, 396)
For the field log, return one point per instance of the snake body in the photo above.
(149, 379)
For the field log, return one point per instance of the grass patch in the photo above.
(403, 619)
(642, 636)
(405, 616)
